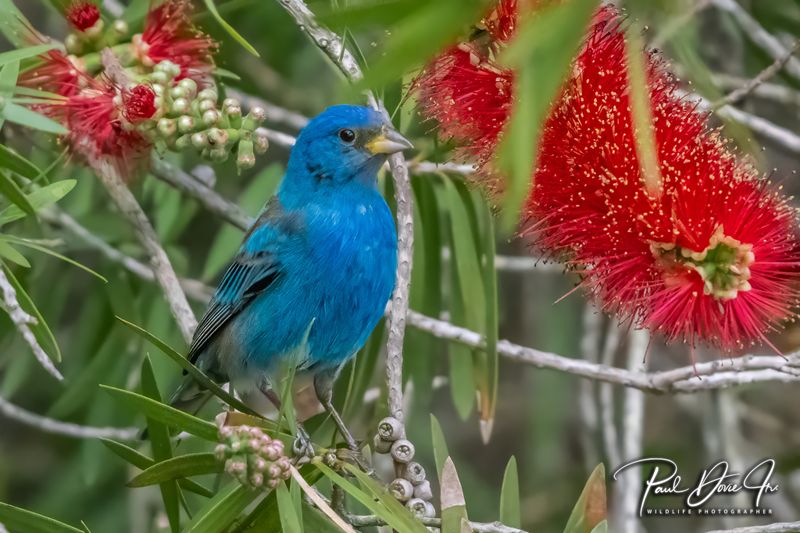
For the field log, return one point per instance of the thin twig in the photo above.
(23, 322)
(783, 527)
(275, 113)
(476, 527)
(162, 267)
(774, 92)
(320, 502)
(742, 92)
(49, 425)
(759, 35)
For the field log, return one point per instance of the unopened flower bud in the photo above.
(183, 142)
(260, 464)
(167, 127)
(208, 94)
(401, 489)
(236, 446)
(219, 137)
(218, 155)
(260, 140)
(185, 124)
(220, 452)
(274, 471)
(390, 429)
(245, 158)
(177, 92)
(188, 85)
(256, 480)
(234, 115)
(120, 27)
(402, 451)
(211, 117)
(273, 483)
(258, 113)
(158, 89)
(205, 105)
(423, 491)
(73, 44)
(231, 102)
(159, 77)
(95, 30)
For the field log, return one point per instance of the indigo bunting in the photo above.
(317, 266)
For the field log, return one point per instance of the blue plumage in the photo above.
(321, 254)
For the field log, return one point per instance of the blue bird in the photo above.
(318, 264)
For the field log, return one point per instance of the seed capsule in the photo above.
(380, 445)
(423, 491)
(401, 489)
(402, 451)
(415, 473)
(420, 508)
(390, 429)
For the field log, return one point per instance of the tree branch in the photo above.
(23, 321)
(477, 527)
(49, 425)
(783, 527)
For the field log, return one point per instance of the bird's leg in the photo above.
(302, 445)
(323, 386)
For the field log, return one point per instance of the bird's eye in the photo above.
(347, 135)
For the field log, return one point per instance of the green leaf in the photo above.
(164, 413)
(400, 521)
(162, 447)
(540, 53)
(440, 453)
(12, 191)
(31, 119)
(16, 519)
(13, 24)
(40, 198)
(602, 527)
(357, 14)
(222, 510)
(9, 74)
(192, 464)
(37, 247)
(454, 507)
(491, 358)
(11, 160)
(25, 53)
(510, 513)
(420, 35)
(230, 29)
(391, 503)
(184, 363)
(290, 520)
(9, 252)
(41, 330)
(590, 509)
(142, 462)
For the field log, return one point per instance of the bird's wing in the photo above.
(254, 269)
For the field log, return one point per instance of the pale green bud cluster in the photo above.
(252, 457)
(96, 37)
(192, 118)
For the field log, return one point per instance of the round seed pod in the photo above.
(401, 489)
(402, 451)
(380, 445)
(391, 429)
(423, 491)
(415, 473)
(420, 508)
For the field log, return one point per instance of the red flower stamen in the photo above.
(59, 74)
(82, 15)
(139, 104)
(169, 34)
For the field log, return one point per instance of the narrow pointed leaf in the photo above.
(41, 330)
(290, 521)
(31, 119)
(220, 512)
(10, 253)
(16, 519)
(25, 53)
(14, 194)
(182, 466)
(591, 508)
(212, 8)
(454, 506)
(40, 198)
(440, 453)
(510, 513)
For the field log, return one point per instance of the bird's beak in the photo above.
(388, 141)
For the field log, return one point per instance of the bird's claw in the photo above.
(302, 447)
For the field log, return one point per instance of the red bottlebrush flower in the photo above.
(714, 257)
(139, 104)
(59, 74)
(170, 35)
(100, 121)
(469, 96)
(82, 15)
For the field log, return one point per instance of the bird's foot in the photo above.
(302, 447)
(355, 456)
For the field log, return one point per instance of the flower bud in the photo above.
(177, 92)
(188, 85)
(158, 89)
(199, 140)
(273, 483)
(211, 117)
(208, 94)
(159, 77)
(231, 102)
(390, 429)
(401, 489)
(245, 158)
(260, 140)
(73, 44)
(218, 137)
(236, 446)
(167, 127)
(260, 464)
(205, 105)
(120, 27)
(274, 471)
(220, 452)
(423, 491)
(183, 142)
(218, 155)
(258, 113)
(256, 480)
(234, 115)
(402, 451)
(415, 473)
(185, 124)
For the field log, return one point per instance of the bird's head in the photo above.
(343, 144)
